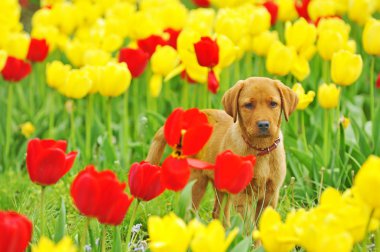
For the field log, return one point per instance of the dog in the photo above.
(249, 124)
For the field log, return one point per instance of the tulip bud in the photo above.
(346, 67)
(279, 51)
(328, 96)
(371, 37)
(56, 74)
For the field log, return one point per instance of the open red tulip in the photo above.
(202, 3)
(15, 232)
(272, 8)
(38, 50)
(175, 173)
(136, 60)
(207, 52)
(302, 9)
(15, 69)
(47, 161)
(100, 195)
(173, 36)
(232, 172)
(145, 181)
(150, 44)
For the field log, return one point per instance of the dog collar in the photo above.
(264, 151)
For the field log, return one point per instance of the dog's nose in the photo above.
(263, 125)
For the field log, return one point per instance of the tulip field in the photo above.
(86, 84)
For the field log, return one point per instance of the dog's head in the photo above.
(257, 104)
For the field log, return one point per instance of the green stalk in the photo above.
(366, 239)
(372, 95)
(51, 115)
(131, 221)
(83, 238)
(126, 130)
(72, 128)
(135, 97)
(326, 136)
(89, 121)
(185, 94)
(42, 206)
(304, 139)
(326, 70)
(32, 90)
(223, 206)
(8, 127)
(109, 120)
(103, 244)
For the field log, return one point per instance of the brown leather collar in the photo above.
(264, 151)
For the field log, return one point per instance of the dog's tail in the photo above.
(157, 147)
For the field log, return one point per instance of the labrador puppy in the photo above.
(250, 124)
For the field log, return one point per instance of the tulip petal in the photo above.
(200, 165)
(172, 128)
(195, 138)
(49, 167)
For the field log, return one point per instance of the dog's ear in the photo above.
(289, 99)
(230, 99)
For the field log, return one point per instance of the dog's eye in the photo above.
(273, 104)
(248, 105)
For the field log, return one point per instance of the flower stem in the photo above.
(83, 238)
(109, 119)
(89, 119)
(325, 70)
(126, 129)
(222, 208)
(326, 136)
(72, 129)
(104, 239)
(51, 116)
(372, 95)
(185, 94)
(8, 127)
(303, 130)
(42, 207)
(131, 221)
(366, 239)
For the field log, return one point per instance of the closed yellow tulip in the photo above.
(50, 33)
(301, 34)
(261, 43)
(67, 16)
(367, 182)
(227, 3)
(359, 11)
(371, 37)
(95, 73)
(231, 22)
(164, 60)
(227, 51)
(300, 68)
(46, 245)
(168, 234)
(330, 42)
(350, 46)
(304, 99)
(56, 74)
(77, 84)
(147, 25)
(43, 17)
(322, 8)
(336, 25)
(280, 59)
(308, 52)
(259, 20)
(286, 10)
(212, 238)
(346, 67)
(27, 129)
(75, 51)
(202, 21)
(17, 45)
(328, 96)
(96, 57)
(115, 79)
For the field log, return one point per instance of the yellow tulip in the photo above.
(202, 21)
(3, 59)
(259, 20)
(77, 84)
(371, 37)
(341, 6)
(46, 245)
(359, 11)
(75, 51)
(155, 85)
(147, 25)
(17, 45)
(300, 68)
(346, 67)
(95, 73)
(227, 51)
(262, 42)
(350, 46)
(330, 42)
(328, 96)
(50, 33)
(67, 16)
(301, 34)
(96, 57)
(212, 238)
(164, 60)
(173, 15)
(274, 234)
(27, 129)
(227, 3)
(279, 51)
(345, 122)
(336, 25)
(322, 8)
(43, 17)
(115, 79)
(308, 52)
(367, 182)
(286, 10)
(304, 99)
(56, 74)
(231, 22)
(168, 234)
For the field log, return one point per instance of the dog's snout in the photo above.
(263, 125)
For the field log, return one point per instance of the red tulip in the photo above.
(15, 232)
(202, 3)
(145, 181)
(302, 8)
(38, 50)
(378, 81)
(47, 162)
(232, 172)
(207, 52)
(212, 82)
(150, 44)
(175, 173)
(173, 36)
(272, 8)
(15, 69)
(100, 195)
(136, 59)
(187, 131)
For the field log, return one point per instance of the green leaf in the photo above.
(117, 240)
(184, 201)
(61, 223)
(304, 157)
(243, 246)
